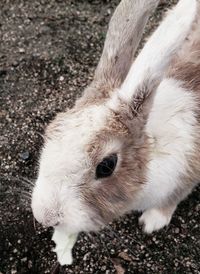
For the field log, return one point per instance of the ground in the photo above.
(48, 52)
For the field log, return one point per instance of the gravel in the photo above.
(48, 53)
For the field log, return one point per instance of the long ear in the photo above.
(124, 34)
(150, 66)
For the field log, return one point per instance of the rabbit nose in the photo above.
(56, 224)
(46, 217)
(46, 211)
(50, 221)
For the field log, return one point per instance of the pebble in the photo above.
(24, 259)
(21, 50)
(177, 230)
(25, 155)
(61, 78)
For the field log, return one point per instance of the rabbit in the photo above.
(132, 141)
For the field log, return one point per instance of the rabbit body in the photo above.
(132, 140)
(173, 125)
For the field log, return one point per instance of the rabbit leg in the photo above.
(156, 218)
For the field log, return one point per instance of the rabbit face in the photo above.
(63, 165)
(87, 177)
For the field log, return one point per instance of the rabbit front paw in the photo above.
(155, 218)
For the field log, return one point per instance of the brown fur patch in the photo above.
(97, 93)
(188, 73)
(112, 196)
(186, 65)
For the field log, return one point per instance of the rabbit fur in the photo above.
(145, 110)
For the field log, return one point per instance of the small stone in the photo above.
(112, 251)
(119, 269)
(30, 264)
(15, 63)
(45, 29)
(177, 230)
(124, 256)
(21, 50)
(61, 78)
(25, 155)
(197, 208)
(86, 256)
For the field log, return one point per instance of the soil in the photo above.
(48, 53)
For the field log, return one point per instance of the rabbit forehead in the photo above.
(69, 123)
(68, 136)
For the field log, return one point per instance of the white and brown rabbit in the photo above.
(132, 142)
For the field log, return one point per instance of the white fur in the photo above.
(154, 219)
(62, 166)
(158, 51)
(64, 244)
(171, 127)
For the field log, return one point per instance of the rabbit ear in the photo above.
(150, 66)
(124, 34)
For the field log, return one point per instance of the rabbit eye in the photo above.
(106, 167)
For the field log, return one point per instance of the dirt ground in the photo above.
(48, 52)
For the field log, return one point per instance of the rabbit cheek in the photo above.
(105, 204)
(110, 199)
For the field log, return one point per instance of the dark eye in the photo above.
(106, 167)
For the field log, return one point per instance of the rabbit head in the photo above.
(93, 163)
